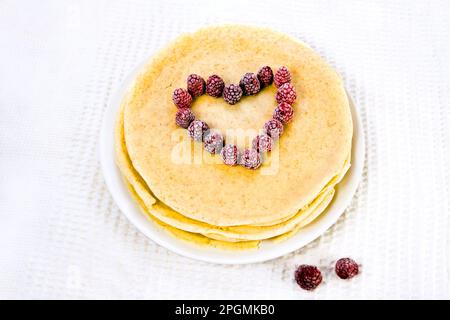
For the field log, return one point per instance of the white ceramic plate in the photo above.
(267, 250)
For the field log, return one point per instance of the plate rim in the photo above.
(127, 205)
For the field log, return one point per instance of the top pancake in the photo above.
(311, 151)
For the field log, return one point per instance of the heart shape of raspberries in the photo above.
(250, 84)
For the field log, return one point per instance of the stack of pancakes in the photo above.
(190, 192)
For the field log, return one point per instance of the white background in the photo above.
(62, 236)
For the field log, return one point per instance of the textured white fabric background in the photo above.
(62, 236)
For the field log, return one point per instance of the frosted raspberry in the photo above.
(286, 93)
(182, 98)
(184, 117)
(262, 143)
(196, 129)
(195, 85)
(250, 84)
(213, 142)
(214, 86)
(230, 155)
(283, 112)
(265, 76)
(250, 159)
(232, 93)
(346, 268)
(308, 277)
(282, 76)
(274, 128)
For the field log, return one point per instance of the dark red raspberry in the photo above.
(283, 112)
(308, 277)
(182, 98)
(250, 159)
(214, 86)
(196, 129)
(195, 85)
(262, 143)
(184, 117)
(282, 76)
(346, 268)
(274, 128)
(232, 93)
(250, 84)
(286, 93)
(230, 155)
(213, 142)
(265, 76)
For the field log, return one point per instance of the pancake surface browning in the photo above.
(161, 212)
(234, 203)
